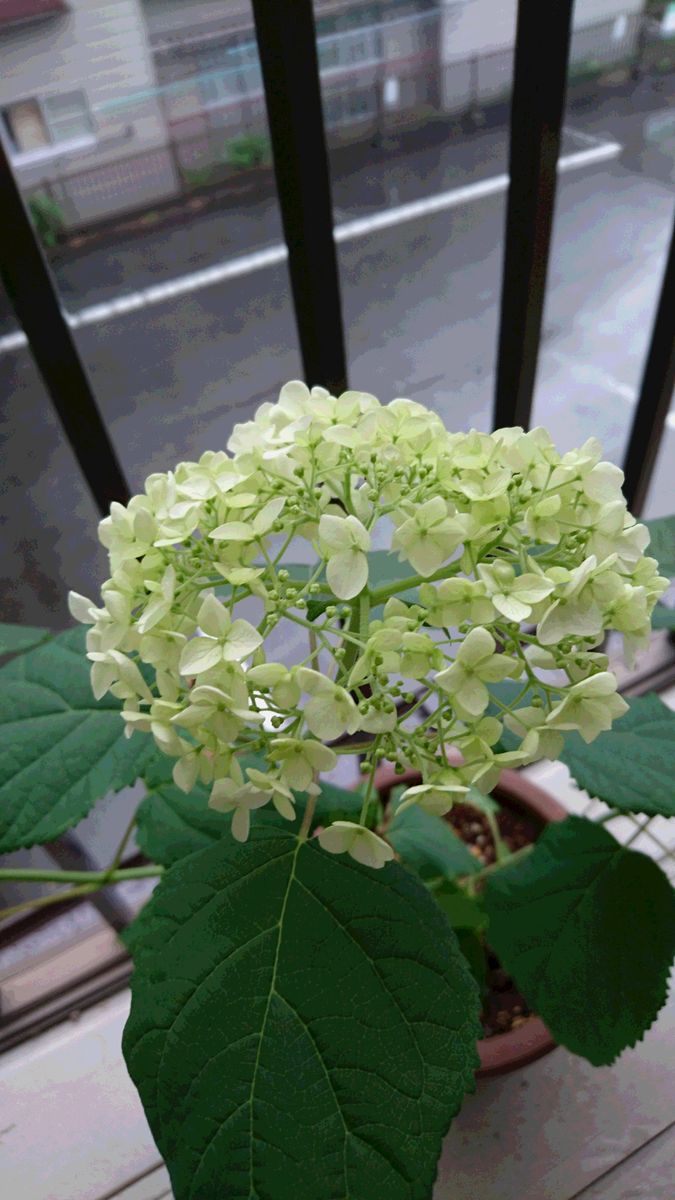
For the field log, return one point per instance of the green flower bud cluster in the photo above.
(515, 561)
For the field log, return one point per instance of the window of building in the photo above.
(39, 123)
(347, 108)
(227, 71)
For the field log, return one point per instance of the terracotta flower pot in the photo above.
(504, 1051)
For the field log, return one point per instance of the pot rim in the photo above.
(503, 1052)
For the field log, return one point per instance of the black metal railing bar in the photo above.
(32, 293)
(656, 392)
(543, 34)
(290, 70)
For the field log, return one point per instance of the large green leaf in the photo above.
(171, 824)
(662, 543)
(428, 845)
(61, 750)
(17, 638)
(301, 1027)
(631, 766)
(587, 929)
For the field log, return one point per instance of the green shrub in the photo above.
(47, 217)
(249, 150)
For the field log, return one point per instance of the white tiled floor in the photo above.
(72, 1128)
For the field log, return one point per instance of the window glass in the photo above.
(613, 223)
(67, 116)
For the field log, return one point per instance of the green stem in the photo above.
(303, 832)
(123, 843)
(83, 889)
(518, 855)
(30, 875)
(402, 585)
(369, 788)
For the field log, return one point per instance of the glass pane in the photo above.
(68, 116)
(46, 512)
(612, 228)
(414, 97)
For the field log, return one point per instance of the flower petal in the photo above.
(200, 654)
(347, 573)
(241, 640)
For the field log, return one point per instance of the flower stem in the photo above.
(518, 855)
(37, 875)
(377, 595)
(83, 889)
(303, 832)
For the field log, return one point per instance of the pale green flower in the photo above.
(117, 673)
(514, 595)
(253, 530)
(230, 796)
(301, 760)
(82, 609)
(576, 611)
(160, 605)
(157, 721)
(453, 601)
(221, 639)
(280, 680)
(539, 740)
(344, 837)
(419, 655)
(331, 711)
(344, 543)
(435, 797)
(215, 710)
(476, 664)
(429, 536)
(590, 706)
(540, 519)
(278, 789)
(128, 532)
(514, 531)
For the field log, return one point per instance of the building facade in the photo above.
(115, 105)
(63, 65)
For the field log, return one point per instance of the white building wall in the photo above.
(476, 27)
(484, 30)
(99, 47)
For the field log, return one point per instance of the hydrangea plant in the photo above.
(349, 578)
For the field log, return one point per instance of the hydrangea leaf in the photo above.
(429, 846)
(330, 1018)
(663, 617)
(61, 750)
(383, 568)
(630, 767)
(463, 911)
(587, 929)
(172, 824)
(15, 639)
(662, 543)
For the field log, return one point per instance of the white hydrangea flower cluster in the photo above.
(515, 560)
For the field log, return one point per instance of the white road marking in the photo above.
(596, 376)
(347, 231)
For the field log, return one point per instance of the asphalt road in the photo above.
(421, 304)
